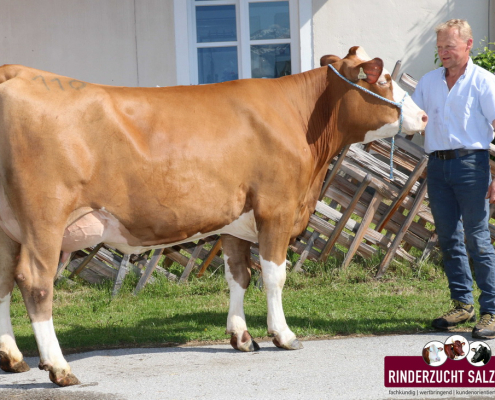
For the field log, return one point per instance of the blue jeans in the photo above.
(457, 189)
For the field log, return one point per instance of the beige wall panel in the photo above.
(392, 29)
(91, 40)
(155, 42)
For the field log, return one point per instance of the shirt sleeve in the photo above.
(417, 95)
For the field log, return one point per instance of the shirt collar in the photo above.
(468, 68)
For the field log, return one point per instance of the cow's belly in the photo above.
(97, 226)
(101, 226)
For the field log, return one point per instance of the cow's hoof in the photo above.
(64, 380)
(246, 344)
(7, 365)
(294, 345)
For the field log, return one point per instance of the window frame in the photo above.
(185, 37)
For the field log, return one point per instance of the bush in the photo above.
(485, 57)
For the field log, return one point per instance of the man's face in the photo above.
(453, 51)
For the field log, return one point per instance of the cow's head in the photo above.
(367, 116)
(434, 353)
(480, 354)
(458, 347)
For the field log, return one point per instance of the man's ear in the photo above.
(470, 44)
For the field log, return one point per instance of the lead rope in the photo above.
(397, 104)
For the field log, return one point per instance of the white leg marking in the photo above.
(273, 279)
(236, 320)
(7, 340)
(50, 352)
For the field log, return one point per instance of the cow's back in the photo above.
(183, 153)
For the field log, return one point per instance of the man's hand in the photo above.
(491, 192)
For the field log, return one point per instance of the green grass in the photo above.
(324, 302)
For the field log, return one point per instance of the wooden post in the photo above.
(304, 254)
(405, 226)
(396, 70)
(61, 266)
(345, 217)
(366, 221)
(120, 275)
(192, 262)
(79, 269)
(413, 178)
(150, 267)
(216, 248)
(335, 169)
(432, 242)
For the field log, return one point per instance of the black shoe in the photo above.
(461, 313)
(485, 329)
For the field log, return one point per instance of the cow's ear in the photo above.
(328, 59)
(369, 71)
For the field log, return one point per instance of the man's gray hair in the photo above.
(462, 26)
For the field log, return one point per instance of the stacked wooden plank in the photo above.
(363, 211)
(103, 262)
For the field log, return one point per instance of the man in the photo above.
(459, 99)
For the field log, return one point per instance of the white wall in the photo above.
(392, 29)
(132, 42)
(117, 42)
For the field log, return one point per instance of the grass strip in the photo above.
(325, 302)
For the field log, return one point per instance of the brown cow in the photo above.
(454, 349)
(431, 354)
(142, 168)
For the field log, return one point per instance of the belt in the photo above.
(451, 154)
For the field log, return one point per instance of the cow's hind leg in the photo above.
(34, 276)
(273, 242)
(238, 274)
(10, 356)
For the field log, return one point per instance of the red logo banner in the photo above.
(411, 371)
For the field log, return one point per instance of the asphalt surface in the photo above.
(343, 368)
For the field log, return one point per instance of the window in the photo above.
(232, 39)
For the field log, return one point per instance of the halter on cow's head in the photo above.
(358, 70)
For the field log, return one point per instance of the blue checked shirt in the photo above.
(461, 117)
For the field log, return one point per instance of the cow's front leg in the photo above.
(273, 250)
(237, 259)
(10, 356)
(273, 280)
(34, 275)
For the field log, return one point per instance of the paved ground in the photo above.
(351, 368)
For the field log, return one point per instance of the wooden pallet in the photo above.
(364, 212)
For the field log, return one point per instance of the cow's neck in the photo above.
(318, 109)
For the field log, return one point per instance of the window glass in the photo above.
(270, 61)
(216, 23)
(217, 64)
(269, 20)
